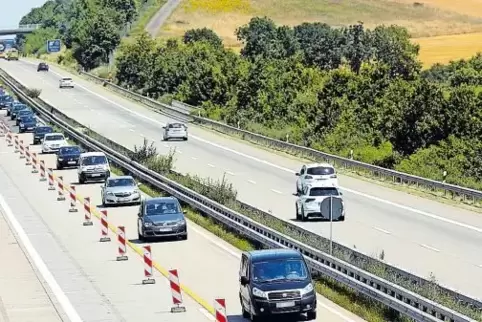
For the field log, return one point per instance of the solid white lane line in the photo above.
(430, 248)
(40, 264)
(382, 230)
(420, 212)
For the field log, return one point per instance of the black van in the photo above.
(275, 282)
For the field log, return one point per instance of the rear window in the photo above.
(322, 192)
(320, 171)
(176, 126)
(43, 130)
(57, 137)
(66, 79)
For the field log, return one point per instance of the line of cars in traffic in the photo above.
(272, 282)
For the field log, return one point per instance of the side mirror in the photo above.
(164, 127)
(341, 193)
(297, 174)
(244, 280)
(139, 215)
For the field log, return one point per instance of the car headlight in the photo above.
(147, 224)
(181, 222)
(61, 159)
(109, 193)
(307, 289)
(258, 293)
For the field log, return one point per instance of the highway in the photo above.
(206, 265)
(417, 234)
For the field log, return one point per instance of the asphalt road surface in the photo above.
(206, 265)
(416, 234)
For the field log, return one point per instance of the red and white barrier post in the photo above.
(87, 213)
(220, 308)
(148, 266)
(50, 173)
(34, 162)
(22, 150)
(60, 182)
(176, 292)
(9, 139)
(27, 156)
(16, 144)
(73, 199)
(104, 227)
(121, 238)
(2, 130)
(42, 171)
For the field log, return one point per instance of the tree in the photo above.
(203, 34)
(356, 49)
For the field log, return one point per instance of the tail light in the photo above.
(310, 199)
(308, 177)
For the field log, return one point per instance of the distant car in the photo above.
(42, 67)
(39, 133)
(52, 142)
(318, 200)
(27, 123)
(174, 130)
(161, 217)
(15, 109)
(120, 190)
(11, 105)
(66, 82)
(68, 156)
(5, 100)
(24, 112)
(313, 173)
(93, 166)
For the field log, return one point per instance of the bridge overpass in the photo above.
(20, 29)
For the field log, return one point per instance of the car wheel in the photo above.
(59, 166)
(244, 312)
(302, 215)
(297, 212)
(184, 237)
(311, 315)
(139, 235)
(81, 179)
(185, 139)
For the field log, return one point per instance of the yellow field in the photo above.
(426, 22)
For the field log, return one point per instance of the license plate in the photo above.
(96, 175)
(165, 229)
(123, 199)
(285, 304)
(30, 128)
(71, 162)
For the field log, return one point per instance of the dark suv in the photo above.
(161, 217)
(68, 156)
(276, 282)
(39, 133)
(43, 66)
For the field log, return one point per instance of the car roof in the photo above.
(69, 146)
(54, 133)
(44, 127)
(120, 177)
(66, 78)
(160, 199)
(323, 184)
(268, 254)
(323, 164)
(92, 154)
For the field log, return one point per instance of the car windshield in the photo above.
(19, 107)
(322, 192)
(66, 79)
(161, 208)
(94, 160)
(24, 112)
(176, 126)
(43, 130)
(57, 137)
(28, 119)
(69, 150)
(279, 270)
(320, 171)
(123, 182)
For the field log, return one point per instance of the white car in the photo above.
(52, 142)
(66, 82)
(174, 130)
(93, 166)
(317, 201)
(316, 172)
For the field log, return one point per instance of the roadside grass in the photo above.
(225, 16)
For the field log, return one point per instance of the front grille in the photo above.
(287, 295)
(122, 194)
(165, 224)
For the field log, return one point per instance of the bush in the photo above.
(143, 153)
(33, 92)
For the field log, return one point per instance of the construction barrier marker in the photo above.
(27, 156)
(60, 182)
(220, 307)
(50, 173)
(42, 171)
(87, 213)
(2, 131)
(105, 227)
(16, 144)
(176, 292)
(9, 138)
(22, 150)
(73, 200)
(148, 266)
(34, 162)
(121, 238)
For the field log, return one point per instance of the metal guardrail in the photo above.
(30, 26)
(175, 110)
(399, 299)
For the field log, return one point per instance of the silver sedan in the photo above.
(120, 190)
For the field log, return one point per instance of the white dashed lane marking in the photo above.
(251, 181)
(430, 248)
(276, 191)
(211, 165)
(382, 230)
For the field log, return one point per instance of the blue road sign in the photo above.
(53, 46)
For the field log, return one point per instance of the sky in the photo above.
(16, 10)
